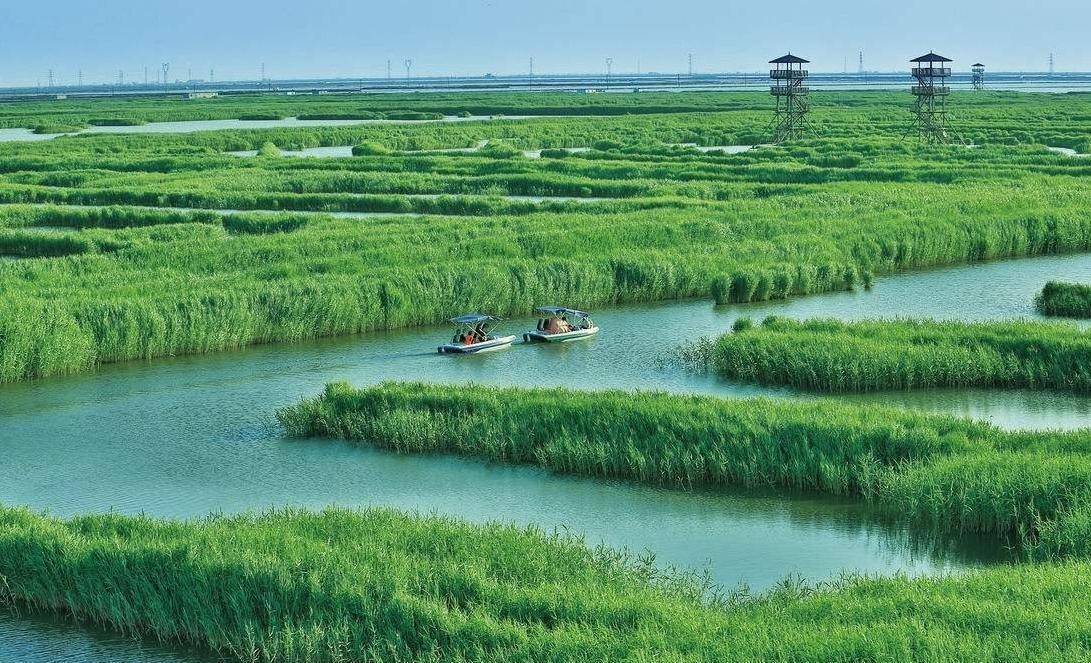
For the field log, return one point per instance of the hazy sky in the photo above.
(310, 38)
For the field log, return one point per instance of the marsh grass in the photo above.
(1068, 300)
(829, 355)
(339, 586)
(947, 473)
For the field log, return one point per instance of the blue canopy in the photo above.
(562, 310)
(473, 318)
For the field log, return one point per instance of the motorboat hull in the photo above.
(476, 348)
(574, 335)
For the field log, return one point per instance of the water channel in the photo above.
(191, 435)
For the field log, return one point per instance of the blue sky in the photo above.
(305, 38)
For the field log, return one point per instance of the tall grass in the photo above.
(340, 586)
(837, 356)
(830, 213)
(1069, 300)
(948, 473)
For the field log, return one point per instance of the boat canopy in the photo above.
(562, 310)
(473, 318)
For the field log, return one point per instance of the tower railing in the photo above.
(789, 91)
(781, 74)
(931, 72)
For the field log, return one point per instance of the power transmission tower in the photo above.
(690, 58)
(408, 68)
(120, 78)
(166, 74)
(79, 78)
(609, 69)
(51, 78)
(532, 73)
(211, 75)
(860, 65)
(145, 74)
(1051, 64)
(389, 72)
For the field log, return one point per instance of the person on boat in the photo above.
(557, 325)
(480, 334)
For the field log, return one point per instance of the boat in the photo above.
(475, 335)
(559, 324)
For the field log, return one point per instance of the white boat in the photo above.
(474, 335)
(555, 326)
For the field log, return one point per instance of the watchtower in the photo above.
(978, 71)
(790, 90)
(930, 114)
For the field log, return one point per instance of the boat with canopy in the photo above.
(475, 334)
(559, 324)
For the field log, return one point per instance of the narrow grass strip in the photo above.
(834, 356)
(947, 473)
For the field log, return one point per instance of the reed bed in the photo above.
(829, 213)
(1068, 300)
(337, 586)
(948, 473)
(836, 356)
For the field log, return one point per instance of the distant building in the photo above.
(201, 95)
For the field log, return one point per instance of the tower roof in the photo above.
(931, 57)
(789, 59)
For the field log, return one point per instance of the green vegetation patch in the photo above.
(951, 474)
(377, 585)
(1068, 300)
(836, 356)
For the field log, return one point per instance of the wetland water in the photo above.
(186, 436)
(191, 126)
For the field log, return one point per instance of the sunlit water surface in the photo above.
(187, 436)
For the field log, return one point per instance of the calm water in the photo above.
(190, 126)
(187, 436)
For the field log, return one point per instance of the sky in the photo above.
(343, 38)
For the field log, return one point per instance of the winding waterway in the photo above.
(190, 435)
